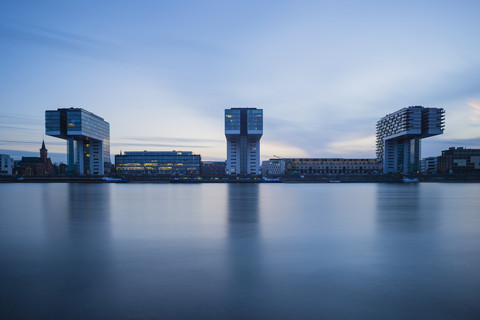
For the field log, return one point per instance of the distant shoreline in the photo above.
(223, 179)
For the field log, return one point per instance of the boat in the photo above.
(335, 181)
(184, 180)
(271, 180)
(409, 180)
(114, 179)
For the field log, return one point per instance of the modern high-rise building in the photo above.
(88, 139)
(399, 134)
(243, 130)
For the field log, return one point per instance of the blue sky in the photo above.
(162, 72)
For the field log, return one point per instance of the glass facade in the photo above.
(243, 130)
(88, 139)
(255, 120)
(232, 119)
(158, 163)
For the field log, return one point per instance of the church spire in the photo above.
(43, 152)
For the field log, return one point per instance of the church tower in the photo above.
(44, 153)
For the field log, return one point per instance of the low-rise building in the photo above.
(459, 160)
(429, 165)
(273, 167)
(332, 166)
(35, 166)
(213, 168)
(157, 163)
(6, 165)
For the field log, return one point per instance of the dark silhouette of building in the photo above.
(459, 160)
(212, 168)
(35, 166)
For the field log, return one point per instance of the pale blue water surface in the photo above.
(240, 251)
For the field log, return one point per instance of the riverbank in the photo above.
(314, 178)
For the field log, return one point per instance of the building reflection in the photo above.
(398, 207)
(244, 249)
(80, 262)
(407, 226)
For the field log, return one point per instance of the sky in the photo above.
(162, 72)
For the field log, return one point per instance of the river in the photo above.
(240, 251)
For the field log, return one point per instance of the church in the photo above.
(36, 166)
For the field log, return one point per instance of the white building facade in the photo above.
(243, 130)
(6, 165)
(273, 167)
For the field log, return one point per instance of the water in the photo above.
(239, 251)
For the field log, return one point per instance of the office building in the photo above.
(178, 163)
(243, 130)
(399, 135)
(88, 139)
(459, 160)
(6, 165)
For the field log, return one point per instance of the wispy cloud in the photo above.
(170, 139)
(162, 145)
(15, 30)
(354, 145)
(475, 113)
(36, 142)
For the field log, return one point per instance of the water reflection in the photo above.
(398, 207)
(407, 208)
(244, 250)
(411, 269)
(238, 251)
(78, 261)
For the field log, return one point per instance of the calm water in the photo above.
(219, 251)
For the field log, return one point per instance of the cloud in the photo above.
(143, 145)
(170, 139)
(18, 154)
(475, 113)
(354, 145)
(270, 149)
(15, 30)
(17, 128)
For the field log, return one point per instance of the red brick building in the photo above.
(35, 166)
